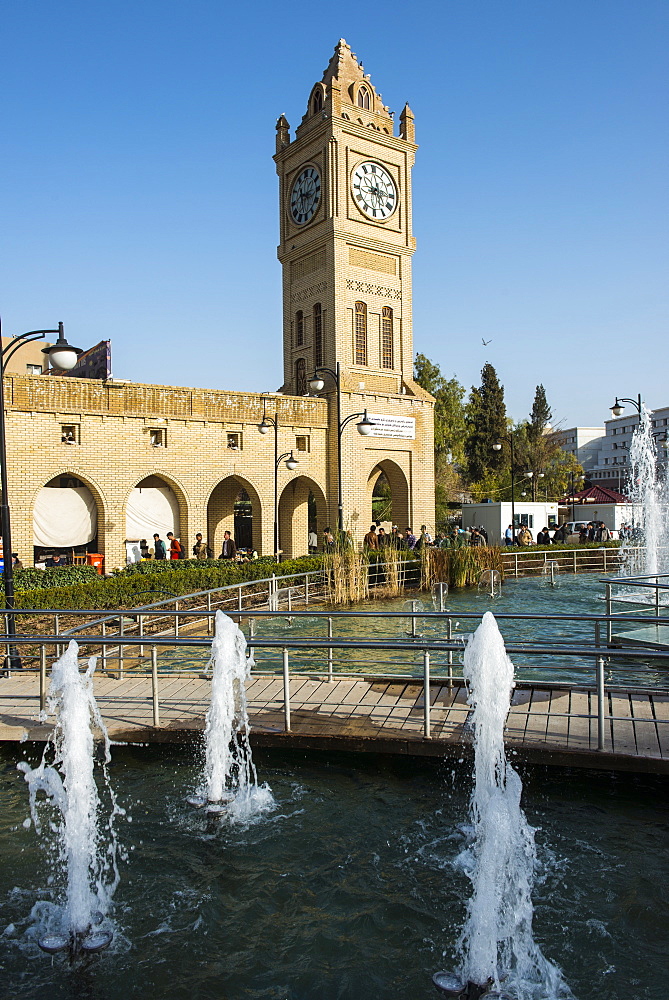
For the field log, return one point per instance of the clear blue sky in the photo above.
(139, 198)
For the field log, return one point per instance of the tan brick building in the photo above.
(194, 458)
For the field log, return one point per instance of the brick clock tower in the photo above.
(345, 247)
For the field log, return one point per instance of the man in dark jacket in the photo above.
(158, 547)
(229, 550)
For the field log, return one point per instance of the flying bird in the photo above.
(486, 342)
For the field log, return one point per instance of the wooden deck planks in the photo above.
(623, 739)
(556, 719)
(645, 729)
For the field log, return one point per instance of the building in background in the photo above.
(28, 359)
(612, 466)
(581, 442)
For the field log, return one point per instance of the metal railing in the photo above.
(419, 651)
(637, 594)
(527, 562)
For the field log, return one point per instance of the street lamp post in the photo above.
(291, 463)
(530, 476)
(316, 384)
(63, 356)
(618, 408)
(498, 447)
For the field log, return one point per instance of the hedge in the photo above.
(43, 579)
(137, 588)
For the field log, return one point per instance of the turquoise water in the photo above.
(348, 891)
(573, 595)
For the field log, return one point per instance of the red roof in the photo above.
(596, 494)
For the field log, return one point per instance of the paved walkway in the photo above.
(549, 725)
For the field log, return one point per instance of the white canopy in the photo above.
(151, 509)
(64, 517)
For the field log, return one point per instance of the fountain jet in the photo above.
(69, 785)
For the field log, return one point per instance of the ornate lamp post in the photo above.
(63, 356)
(618, 408)
(291, 463)
(316, 384)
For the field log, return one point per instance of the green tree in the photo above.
(486, 424)
(541, 414)
(449, 411)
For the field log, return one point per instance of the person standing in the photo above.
(370, 540)
(158, 547)
(229, 550)
(175, 546)
(200, 547)
(508, 535)
(382, 538)
(312, 541)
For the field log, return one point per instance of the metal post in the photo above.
(141, 634)
(56, 632)
(574, 555)
(252, 628)
(601, 694)
(209, 614)
(104, 647)
(609, 612)
(414, 634)
(515, 556)
(449, 636)
(239, 598)
(426, 696)
(597, 635)
(604, 551)
(120, 648)
(329, 650)
(154, 687)
(290, 599)
(306, 589)
(286, 692)
(176, 620)
(42, 679)
(657, 597)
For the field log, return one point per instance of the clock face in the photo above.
(374, 190)
(305, 196)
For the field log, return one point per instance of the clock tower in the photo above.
(345, 248)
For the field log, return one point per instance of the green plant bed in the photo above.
(133, 589)
(43, 579)
(559, 546)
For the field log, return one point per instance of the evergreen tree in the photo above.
(541, 414)
(486, 420)
(449, 412)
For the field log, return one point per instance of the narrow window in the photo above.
(69, 433)
(318, 101)
(157, 437)
(300, 377)
(302, 442)
(363, 98)
(387, 359)
(34, 369)
(318, 335)
(299, 328)
(360, 333)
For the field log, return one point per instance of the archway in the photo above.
(154, 506)
(388, 494)
(234, 506)
(302, 511)
(68, 519)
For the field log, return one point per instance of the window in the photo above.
(300, 377)
(363, 98)
(360, 333)
(318, 335)
(299, 328)
(387, 360)
(34, 369)
(234, 440)
(318, 101)
(69, 433)
(302, 442)
(157, 437)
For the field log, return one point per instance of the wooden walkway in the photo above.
(551, 725)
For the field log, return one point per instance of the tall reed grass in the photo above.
(458, 567)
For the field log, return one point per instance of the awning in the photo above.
(65, 517)
(151, 509)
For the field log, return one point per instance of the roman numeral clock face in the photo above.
(305, 196)
(374, 190)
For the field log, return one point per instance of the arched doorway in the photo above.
(234, 506)
(388, 494)
(67, 515)
(302, 510)
(153, 507)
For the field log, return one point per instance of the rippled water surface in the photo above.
(348, 890)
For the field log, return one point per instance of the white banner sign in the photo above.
(392, 427)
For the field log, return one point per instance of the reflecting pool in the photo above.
(348, 890)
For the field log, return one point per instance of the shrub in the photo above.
(42, 579)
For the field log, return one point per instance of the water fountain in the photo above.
(496, 946)
(648, 551)
(229, 783)
(550, 572)
(490, 582)
(69, 786)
